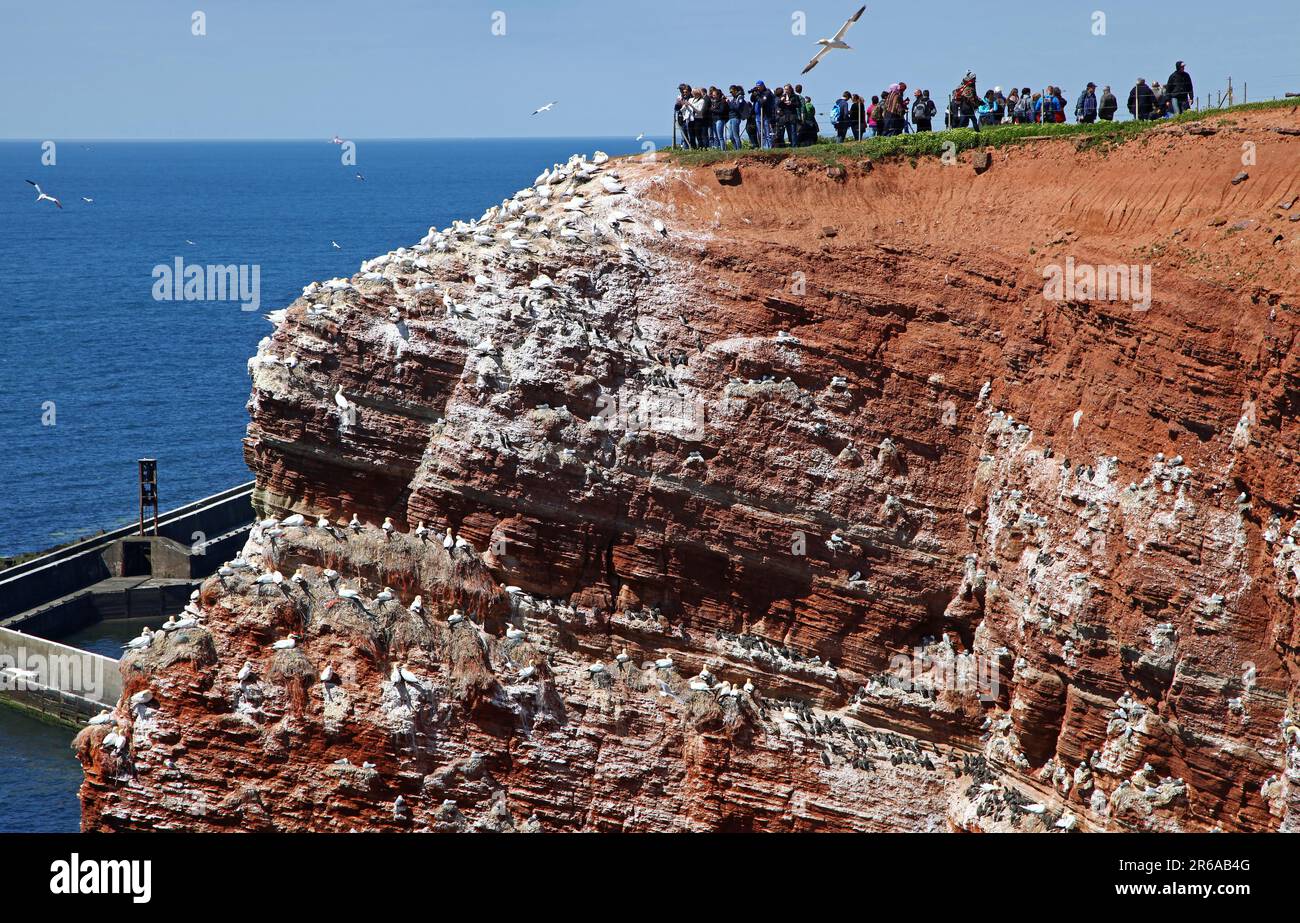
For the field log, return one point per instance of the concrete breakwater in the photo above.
(119, 575)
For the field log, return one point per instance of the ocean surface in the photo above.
(121, 375)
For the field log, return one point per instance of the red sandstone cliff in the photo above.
(867, 430)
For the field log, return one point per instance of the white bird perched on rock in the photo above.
(384, 595)
(660, 228)
(285, 644)
(449, 540)
(114, 741)
(349, 593)
(403, 674)
(297, 519)
(355, 524)
(170, 624)
(388, 527)
(274, 577)
(298, 578)
(194, 597)
(749, 686)
(331, 575)
(104, 717)
(623, 656)
(399, 807)
(143, 697)
(611, 185)
(141, 642)
(664, 663)
(417, 605)
(596, 669)
(327, 674)
(514, 634)
(347, 409)
(421, 532)
(245, 671)
(835, 41)
(456, 617)
(527, 672)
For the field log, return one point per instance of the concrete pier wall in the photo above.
(58, 681)
(191, 542)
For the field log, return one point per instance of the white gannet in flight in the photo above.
(336, 140)
(87, 199)
(547, 108)
(837, 41)
(42, 196)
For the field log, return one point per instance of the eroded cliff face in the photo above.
(728, 461)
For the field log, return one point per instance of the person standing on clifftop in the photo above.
(1085, 110)
(1108, 106)
(764, 101)
(1179, 88)
(680, 113)
(923, 111)
(965, 102)
(1141, 101)
(739, 110)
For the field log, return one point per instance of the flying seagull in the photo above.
(336, 140)
(41, 196)
(86, 199)
(836, 42)
(546, 108)
(335, 245)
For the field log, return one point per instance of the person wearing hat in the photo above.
(764, 101)
(1179, 89)
(1085, 110)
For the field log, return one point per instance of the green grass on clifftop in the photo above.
(931, 144)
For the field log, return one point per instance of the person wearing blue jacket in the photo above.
(1085, 110)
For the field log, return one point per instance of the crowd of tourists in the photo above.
(764, 117)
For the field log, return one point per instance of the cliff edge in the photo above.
(799, 501)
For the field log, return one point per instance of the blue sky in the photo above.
(434, 68)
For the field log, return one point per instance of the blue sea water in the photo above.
(129, 376)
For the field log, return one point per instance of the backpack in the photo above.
(920, 112)
(839, 111)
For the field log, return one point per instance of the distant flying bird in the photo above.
(835, 42)
(641, 137)
(43, 197)
(190, 242)
(335, 245)
(336, 140)
(360, 177)
(86, 199)
(546, 108)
